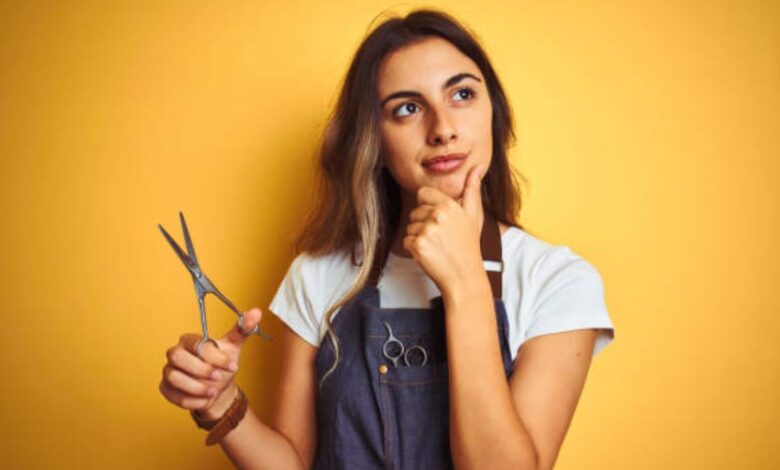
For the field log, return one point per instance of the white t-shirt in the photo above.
(546, 289)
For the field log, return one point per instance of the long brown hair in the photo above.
(356, 198)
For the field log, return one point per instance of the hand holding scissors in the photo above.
(205, 383)
(203, 286)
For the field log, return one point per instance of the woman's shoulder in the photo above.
(535, 258)
(311, 284)
(332, 265)
(555, 288)
(328, 274)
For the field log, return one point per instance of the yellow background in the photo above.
(648, 132)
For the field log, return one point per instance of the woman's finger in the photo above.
(236, 337)
(414, 228)
(177, 379)
(179, 398)
(209, 353)
(421, 213)
(192, 364)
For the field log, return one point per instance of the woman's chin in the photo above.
(451, 185)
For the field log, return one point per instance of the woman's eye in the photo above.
(465, 93)
(461, 94)
(406, 106)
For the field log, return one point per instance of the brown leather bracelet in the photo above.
(206, 423)
(220, 427)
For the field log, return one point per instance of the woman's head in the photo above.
(434, 103)
(377, 144)
(371, 159)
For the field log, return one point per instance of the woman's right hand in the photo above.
(205, 383)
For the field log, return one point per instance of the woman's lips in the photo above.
(445, 165)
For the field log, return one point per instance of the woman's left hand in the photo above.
(444, 234)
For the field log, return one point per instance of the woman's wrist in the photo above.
(221, 404)
(466, 288)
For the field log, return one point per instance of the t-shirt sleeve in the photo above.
(293, 304)
(569, 295)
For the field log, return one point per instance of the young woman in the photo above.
(414, 287)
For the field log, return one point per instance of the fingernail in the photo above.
(215, 375)
(212, 392)
(233, 366)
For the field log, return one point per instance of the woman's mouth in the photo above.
(444, 165)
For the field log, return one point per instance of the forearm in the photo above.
(254, 445)
(485, 429)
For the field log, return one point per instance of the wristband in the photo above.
(220, 427)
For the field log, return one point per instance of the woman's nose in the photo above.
(442, 127)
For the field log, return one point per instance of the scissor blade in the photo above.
(191, 266)
(210, 287)
(222, 297)
(187, 239)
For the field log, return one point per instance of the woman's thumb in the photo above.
(236, 335)
(472, 191)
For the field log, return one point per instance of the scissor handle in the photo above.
(421, 349)
(202, 342)
(253, 331)
(391, 339)
(395, 357)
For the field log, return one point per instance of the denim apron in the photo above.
(372, 414)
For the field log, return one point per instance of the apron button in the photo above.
(383, 369)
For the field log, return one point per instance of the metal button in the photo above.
(382, 369)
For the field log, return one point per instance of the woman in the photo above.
(412, 359)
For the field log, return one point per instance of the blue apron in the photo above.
(372, 414)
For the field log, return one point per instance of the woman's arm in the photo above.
(254, 445)
(295, 414)
(550, 372)
(291, 442)
(519, 425)
(492, 424)
(485, 429)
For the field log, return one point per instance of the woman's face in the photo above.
(436, 116)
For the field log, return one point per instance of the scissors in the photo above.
(204, 286)
(405, 353)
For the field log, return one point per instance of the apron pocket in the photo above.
(415, 375)
(415, 412)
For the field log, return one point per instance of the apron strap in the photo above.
(490, 245)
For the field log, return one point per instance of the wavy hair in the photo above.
(355, 197)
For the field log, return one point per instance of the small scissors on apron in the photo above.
(402, 352)
(204, 286)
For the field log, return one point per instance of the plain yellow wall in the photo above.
(648, 132)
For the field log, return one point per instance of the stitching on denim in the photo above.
(412, 382)
(387, 450)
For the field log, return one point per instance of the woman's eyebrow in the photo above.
(415, 94)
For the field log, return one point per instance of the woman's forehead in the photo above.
(427, 63)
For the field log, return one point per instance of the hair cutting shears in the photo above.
(204, 286)
(401, 351)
